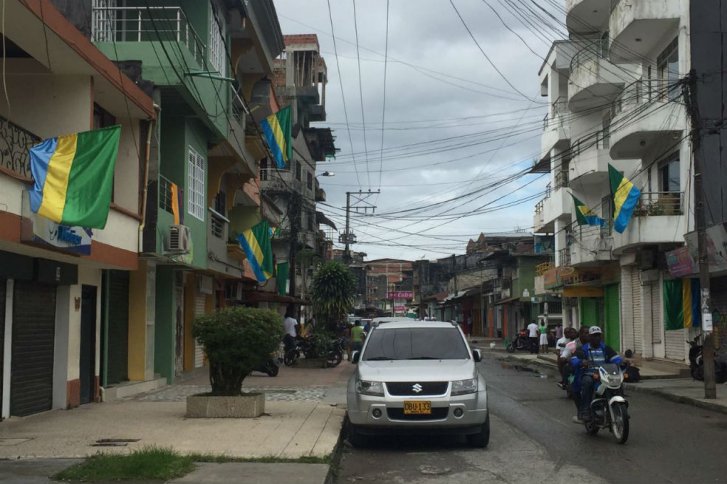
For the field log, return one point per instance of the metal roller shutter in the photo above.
(627, 308)
(636, 305)
(3, 285)
(118, 327)
(31, 376)
(199, 310)
(675, 344)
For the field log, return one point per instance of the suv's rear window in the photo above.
(415, 344)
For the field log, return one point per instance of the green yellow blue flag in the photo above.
(74, 176)
(625, 197)
(256, 244)
(584, 215)
(681, 304)
(277, 129)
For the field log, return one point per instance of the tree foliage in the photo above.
(332, 291)
(236, 340)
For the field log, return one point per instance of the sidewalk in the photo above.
(304, 413)
(655, 381)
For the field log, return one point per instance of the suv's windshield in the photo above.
(415, 344)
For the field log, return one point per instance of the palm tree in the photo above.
(333, 291)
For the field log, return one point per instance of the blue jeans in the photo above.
(587, 386)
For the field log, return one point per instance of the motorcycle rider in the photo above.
(290, 325)
(593, 353)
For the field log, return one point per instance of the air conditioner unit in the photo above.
(649, 276)
(178, 239)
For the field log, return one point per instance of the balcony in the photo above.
(646, 115)
(637, 26)
(563, 257)
(539, 225)
(594, 79)
(590, 159)
(220, 258)
(147, 24)
(558, 204)
(592, 245)
(586, 16)
(274, 180)
(556, 127)
(657, 219)
(14, 149)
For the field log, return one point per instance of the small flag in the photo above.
(277, 129)
(681, 304)
(256, 244)
(282, 277)
(74, 177)
(625, 197)
(584, 215)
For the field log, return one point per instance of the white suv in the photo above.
(417, 377)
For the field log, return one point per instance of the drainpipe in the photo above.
(144, 198)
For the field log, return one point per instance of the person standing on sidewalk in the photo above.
(543, 330)
(533, 337)
(357, 336)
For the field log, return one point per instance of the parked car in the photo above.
(417, 377)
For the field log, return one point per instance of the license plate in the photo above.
(418, 408)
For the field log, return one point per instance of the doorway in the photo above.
(87, 363)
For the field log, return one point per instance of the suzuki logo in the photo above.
(417, 387)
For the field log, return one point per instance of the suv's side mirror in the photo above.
(477, 355)
(355, 356)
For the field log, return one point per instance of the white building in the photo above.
(616, 98)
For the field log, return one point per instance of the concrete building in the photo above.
(615, 96)
(59, 297)
(389, 285)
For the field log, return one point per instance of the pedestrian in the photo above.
(533, 336)
(469, 326)
(290, 326)
(543, 330)
(558, 332)
(357, 336)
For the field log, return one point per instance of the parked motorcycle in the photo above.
(520, 343)
(609, 408)
(306, 347)
(270, 367)
(696, 362)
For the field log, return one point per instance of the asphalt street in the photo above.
(534, 440)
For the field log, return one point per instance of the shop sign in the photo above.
(680, 262)
(401, 295)
(40, 230)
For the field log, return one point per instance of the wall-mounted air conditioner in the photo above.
(178, 239)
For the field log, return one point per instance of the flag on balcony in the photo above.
(256, 244)
(584, 215)
(681, 304)
(74, 176)
(277, 129)
(625, 197)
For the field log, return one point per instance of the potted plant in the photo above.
(235, 340)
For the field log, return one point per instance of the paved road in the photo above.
(533, 440)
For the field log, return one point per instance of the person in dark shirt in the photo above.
(584, 361)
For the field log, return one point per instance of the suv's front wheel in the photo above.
(355, 438)
(481, 438)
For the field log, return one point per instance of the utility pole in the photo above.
(294, 214)
(690, 95)
(360, 205)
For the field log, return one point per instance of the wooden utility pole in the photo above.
(708, 349)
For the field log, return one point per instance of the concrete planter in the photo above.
(249, 405)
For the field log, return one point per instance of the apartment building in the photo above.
(615, 90)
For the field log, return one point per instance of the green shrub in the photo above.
(236, 341)
(332, 292)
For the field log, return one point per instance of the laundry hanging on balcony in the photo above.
(256, 244)
(74, 176)
(584, 215)
(277, 129)
(625, 197)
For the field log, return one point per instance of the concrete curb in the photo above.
(714, 407)
(336, 455)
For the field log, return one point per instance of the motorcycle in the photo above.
(696, 363)
(520, 343)
(306, 347)
(270, 367)
(609, 408)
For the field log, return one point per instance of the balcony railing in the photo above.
(559, 107)
(642, 92)
(652, 204)
(15, 143)
(601, 140)
(145, 24)
(218, 224)
(564, 257)
(561, 178)
(590, 52)
(238, 106)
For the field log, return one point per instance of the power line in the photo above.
(360, 91)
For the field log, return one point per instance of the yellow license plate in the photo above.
(417, 408)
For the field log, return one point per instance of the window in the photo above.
(669, 179)
(309, 181)
(102, 118)
(216, 48)
(196, 168)
(416, 344)
(667, 65)
(297, 171)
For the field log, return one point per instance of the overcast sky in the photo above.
(453, 124)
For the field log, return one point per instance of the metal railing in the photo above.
(145, 24)
(644, 91)
(15, 143)
(554, 117)
(561, 178)
(653, 204)
(283, 180)
(592, 51)
(539, 206)
(238, 106)
(564, 257)
(165, 193)
(218, 223)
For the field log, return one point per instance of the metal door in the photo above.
(199, 310)
(117, 349)
(87, 360)
(31, 376)
(612, 310)
(636, 311)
